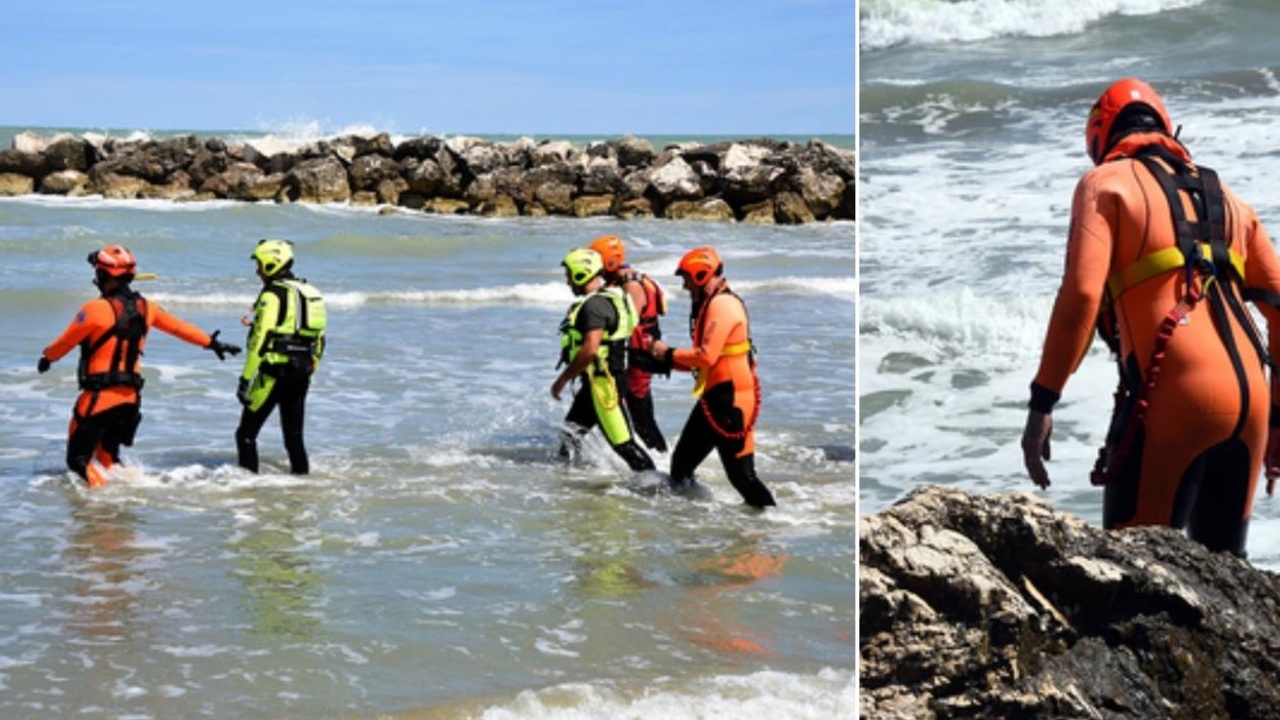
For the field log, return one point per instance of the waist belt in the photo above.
(102, 381)
(1149, 266)
(292, 345)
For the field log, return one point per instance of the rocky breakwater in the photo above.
(1000, 607)
(754, 181)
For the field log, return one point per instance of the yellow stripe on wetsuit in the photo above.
(1149, 266)
(700, 379)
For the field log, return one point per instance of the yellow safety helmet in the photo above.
(273, 256)
(583, 264)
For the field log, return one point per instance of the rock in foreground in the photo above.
(1001, 607)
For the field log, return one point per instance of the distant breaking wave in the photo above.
(889, 23)
(523, 294)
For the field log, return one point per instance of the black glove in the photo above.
(242, 392)
(643, 360)
(221, 349)
(42, 367)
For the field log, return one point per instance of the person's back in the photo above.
(286, 342)
(111, 332)
(1160, 255)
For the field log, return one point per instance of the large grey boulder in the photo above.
(676, 180)
(320, 180)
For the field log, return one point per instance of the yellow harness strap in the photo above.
(700, 381)
(1149, 266)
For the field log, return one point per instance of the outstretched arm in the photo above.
(184, 330)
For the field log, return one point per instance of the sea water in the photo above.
(439, 561)
(972, 141)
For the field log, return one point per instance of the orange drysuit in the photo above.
(110, 366)
(1200, 450)
(722, 353)
(724, 417)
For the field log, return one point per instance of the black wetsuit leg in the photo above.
(696, 442)
(578, 422)
(634, 455)
(108, 429)
(646, 426)
(293, 406)
(1210, 504)
(290, 393)
(742, 474)
(630, 451)
(698, 439)
(1217, 489)
(251, 422)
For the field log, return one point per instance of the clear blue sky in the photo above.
(539, 67)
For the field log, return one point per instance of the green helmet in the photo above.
(583, 264)
(273, 256)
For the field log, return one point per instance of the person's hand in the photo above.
(557, 387)
(42, 366)
(658, 349)
(1271, 460)
(1035, 446)
(242, 392)
(220, 348)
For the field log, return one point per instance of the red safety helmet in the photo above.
(612, 251)
(114, 260)
(1121, 95)
(700, 265)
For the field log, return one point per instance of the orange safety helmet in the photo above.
(1127, 94)
(113, 260)
(612, 251)
(700, 265)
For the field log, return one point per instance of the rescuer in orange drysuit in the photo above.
(111, 331)
(728, 390)
(1161, 257)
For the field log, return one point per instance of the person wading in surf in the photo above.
(723, 362)
(111, 332)
(286, 342)
(650, 303)
(593, 345)
(1161, 257)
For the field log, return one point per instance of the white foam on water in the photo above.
(767, 695)
(888, 23)
(98, 202)
(962, 248)
(536, 294)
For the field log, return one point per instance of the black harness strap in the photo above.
(1205, 190)
(129, 329)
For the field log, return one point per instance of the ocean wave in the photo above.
(828, 693)
(958, 324)
(539, 294)
(890, 23)
(99, 202)
(844, 288)
(551, 294)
